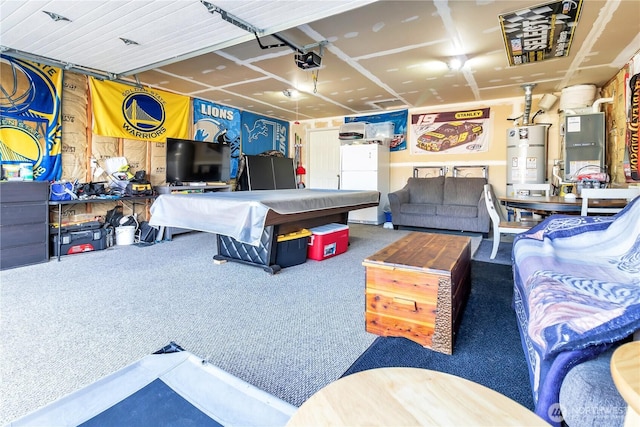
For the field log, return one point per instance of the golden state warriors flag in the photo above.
(30, 113)
(125, 111)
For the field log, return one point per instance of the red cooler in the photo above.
(327, 241)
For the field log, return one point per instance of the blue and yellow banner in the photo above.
(30, 116)
(124, 111)
(260, 134)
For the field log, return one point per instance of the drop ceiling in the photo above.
(377, 56)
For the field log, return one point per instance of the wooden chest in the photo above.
(417, 288)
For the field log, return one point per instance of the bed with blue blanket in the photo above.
(576, 293)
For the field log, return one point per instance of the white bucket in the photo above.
(125, 235)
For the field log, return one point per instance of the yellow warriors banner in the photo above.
(124, 111)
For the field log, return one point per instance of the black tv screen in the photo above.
(197, 161)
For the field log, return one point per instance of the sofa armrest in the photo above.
(397, 198)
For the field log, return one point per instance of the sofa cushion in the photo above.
(589, 397)
(457, 211)
(463, 191)
(419, 208)
(426, 190)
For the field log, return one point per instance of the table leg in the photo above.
(59, 243)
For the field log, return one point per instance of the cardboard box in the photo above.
(328, 241)
(292, 248)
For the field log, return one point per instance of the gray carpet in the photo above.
(66, 324)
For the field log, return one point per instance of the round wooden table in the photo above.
(547, 205)
(625, 371)
(410, 396)
(555, 204)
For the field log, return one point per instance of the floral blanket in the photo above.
(576, 292)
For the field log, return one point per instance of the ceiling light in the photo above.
(456, 63)
(56, 17)
(290, 93)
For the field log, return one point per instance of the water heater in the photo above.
(526, 155)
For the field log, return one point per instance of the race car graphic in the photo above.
(449, 135)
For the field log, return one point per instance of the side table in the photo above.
(625, 371)
(410, 397)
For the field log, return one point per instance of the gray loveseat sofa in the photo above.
(443, 202)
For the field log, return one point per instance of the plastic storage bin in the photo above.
(292, 248)
(75, 242)
(328, 241)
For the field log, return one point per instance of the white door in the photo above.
(323, 159)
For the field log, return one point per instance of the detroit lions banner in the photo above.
(124, 111)
(30, 116)
(262, 134)
(218, 123)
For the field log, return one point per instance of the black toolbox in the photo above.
(73, 242)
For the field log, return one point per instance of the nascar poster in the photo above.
(399, 120)
(218, 123)
(260, 134)
(455, 132)
(30, 117)
(539, 33)
(133, 112)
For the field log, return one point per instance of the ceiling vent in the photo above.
(389, 104)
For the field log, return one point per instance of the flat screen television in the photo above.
(197, 161)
